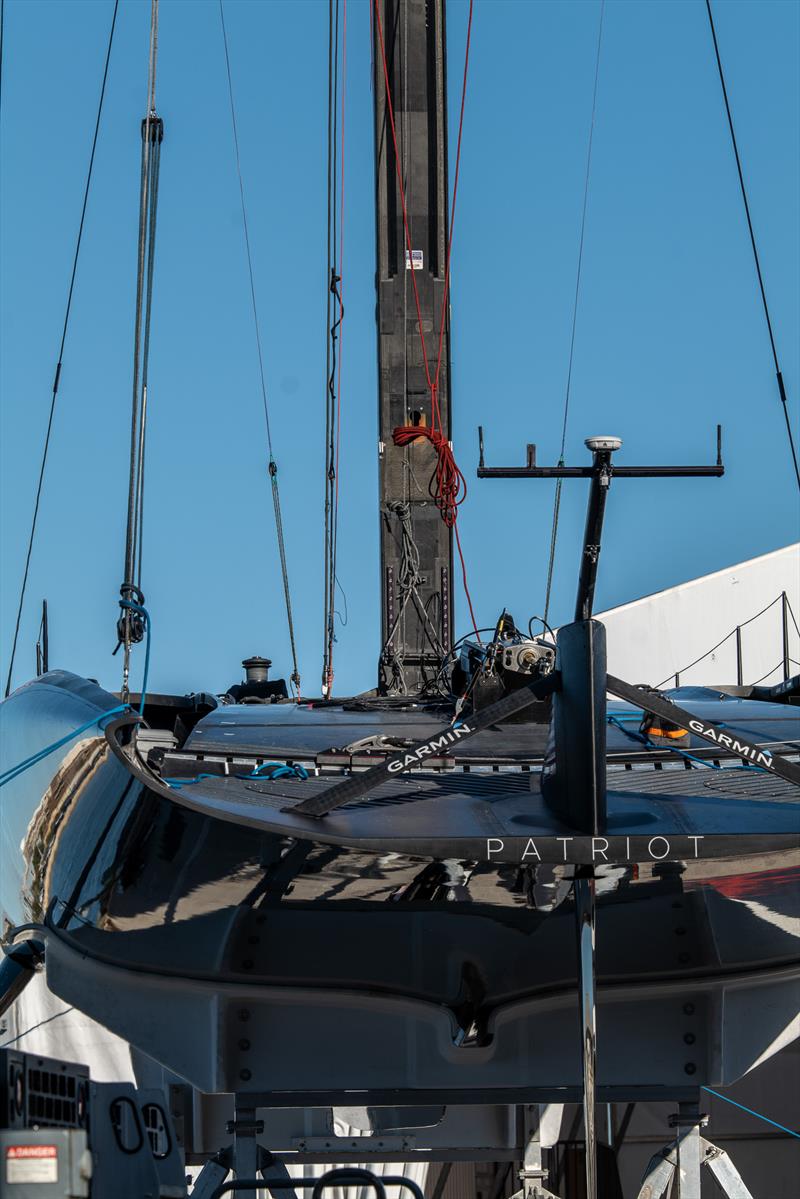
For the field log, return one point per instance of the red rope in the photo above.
(448, 486)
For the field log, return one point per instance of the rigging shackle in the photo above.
(155, 124)
(130, 625)
(130, 629)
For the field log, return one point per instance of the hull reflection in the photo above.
(147, 892)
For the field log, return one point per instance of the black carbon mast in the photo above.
(416, 543)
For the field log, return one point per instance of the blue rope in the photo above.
(21, 767)
(176, 784)
(278, 770)
(14, 771)
(750, 1112)
(645, 740)
(123, 603)
(615, 718)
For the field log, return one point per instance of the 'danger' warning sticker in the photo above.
(32, 1163)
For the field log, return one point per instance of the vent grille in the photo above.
(55, 1098)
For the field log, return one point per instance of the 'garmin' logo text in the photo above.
(433, 748)
(758, 757)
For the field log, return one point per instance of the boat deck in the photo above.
(502, 815)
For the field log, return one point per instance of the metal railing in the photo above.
(784, 663)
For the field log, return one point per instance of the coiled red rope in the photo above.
(448, 487)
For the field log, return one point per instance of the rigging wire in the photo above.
(2, 32)
(57, 377)
(557, 497)
(337, 352)
(778, 374)
(333, 41)
(26, 764)
(331, 325)
(330, 329)
(34, 1027)
(448, 484)
(341, 310)
(273, 466)
(750, 1111)
(131, 626)
(157, 135)
(334, 322)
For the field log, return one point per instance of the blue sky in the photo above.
(670, 336)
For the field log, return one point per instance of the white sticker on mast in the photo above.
(416, 261)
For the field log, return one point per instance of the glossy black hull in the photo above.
(461, 969)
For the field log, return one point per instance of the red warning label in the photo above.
(31, 1163)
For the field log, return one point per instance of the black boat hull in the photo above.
(219, 947)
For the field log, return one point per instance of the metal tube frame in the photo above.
(585, 913)
(600, 472)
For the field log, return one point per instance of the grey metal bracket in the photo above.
(728, 1177)
(532, 1175)
(245, 1127)
(533, 1186)
(217, 1169)
(675, 1172)
(274, 1170)
(212, 1175)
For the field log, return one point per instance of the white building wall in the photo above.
(653, 637)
